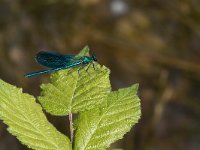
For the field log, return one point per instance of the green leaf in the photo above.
(27, 122)
(98, 128)
(70, 91)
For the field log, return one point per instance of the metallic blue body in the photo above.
(59, 62)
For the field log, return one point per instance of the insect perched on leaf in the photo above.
(57, 62)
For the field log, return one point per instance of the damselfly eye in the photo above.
(94, 57)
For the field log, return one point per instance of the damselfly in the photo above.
(57, 62)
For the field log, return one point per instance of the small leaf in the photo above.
(27, 122)
(98, 128)
(75, 91)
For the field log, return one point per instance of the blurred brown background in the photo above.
(155, 43)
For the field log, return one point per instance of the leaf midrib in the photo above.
(103, 116)
(73, 93)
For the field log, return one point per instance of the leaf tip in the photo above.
(84, 51)
(136, 86)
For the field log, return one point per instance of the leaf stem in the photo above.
(71, 127)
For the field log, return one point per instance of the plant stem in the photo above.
(71, 127)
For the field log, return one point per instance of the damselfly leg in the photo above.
(93, 66)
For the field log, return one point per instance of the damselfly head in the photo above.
(94, 57)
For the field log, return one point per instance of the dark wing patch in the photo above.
(53, 60)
